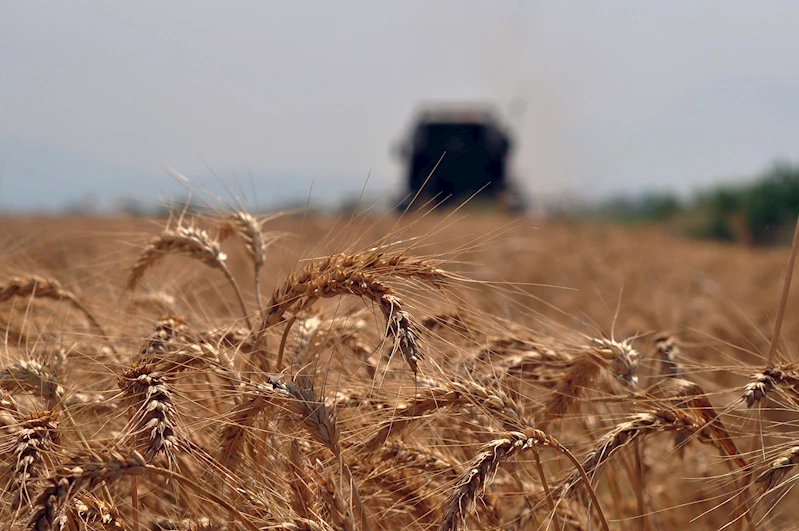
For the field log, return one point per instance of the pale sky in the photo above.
(620, 95)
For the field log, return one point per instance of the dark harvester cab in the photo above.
(475, 151)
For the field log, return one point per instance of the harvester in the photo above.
(454, 154)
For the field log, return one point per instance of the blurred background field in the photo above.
(550, 275)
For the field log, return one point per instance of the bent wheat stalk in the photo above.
(663, 420)
(484, 467)
(324, 280)
(188, 241)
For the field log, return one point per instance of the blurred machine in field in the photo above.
(475, 149)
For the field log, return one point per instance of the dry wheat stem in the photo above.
(786, 288)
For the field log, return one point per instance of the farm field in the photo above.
(431, 373)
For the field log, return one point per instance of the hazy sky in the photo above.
(620, 96)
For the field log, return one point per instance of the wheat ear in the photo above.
(782, 375)
(91, 510)
(337, 509)
(445, 395)
(231, 440)
(779, 468)
(37, 437)
(662, 420)
(31, 375)
(149, 396)
(320, 423)
(617, 357)
(249, 231)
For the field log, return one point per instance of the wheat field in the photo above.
(442, 371)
